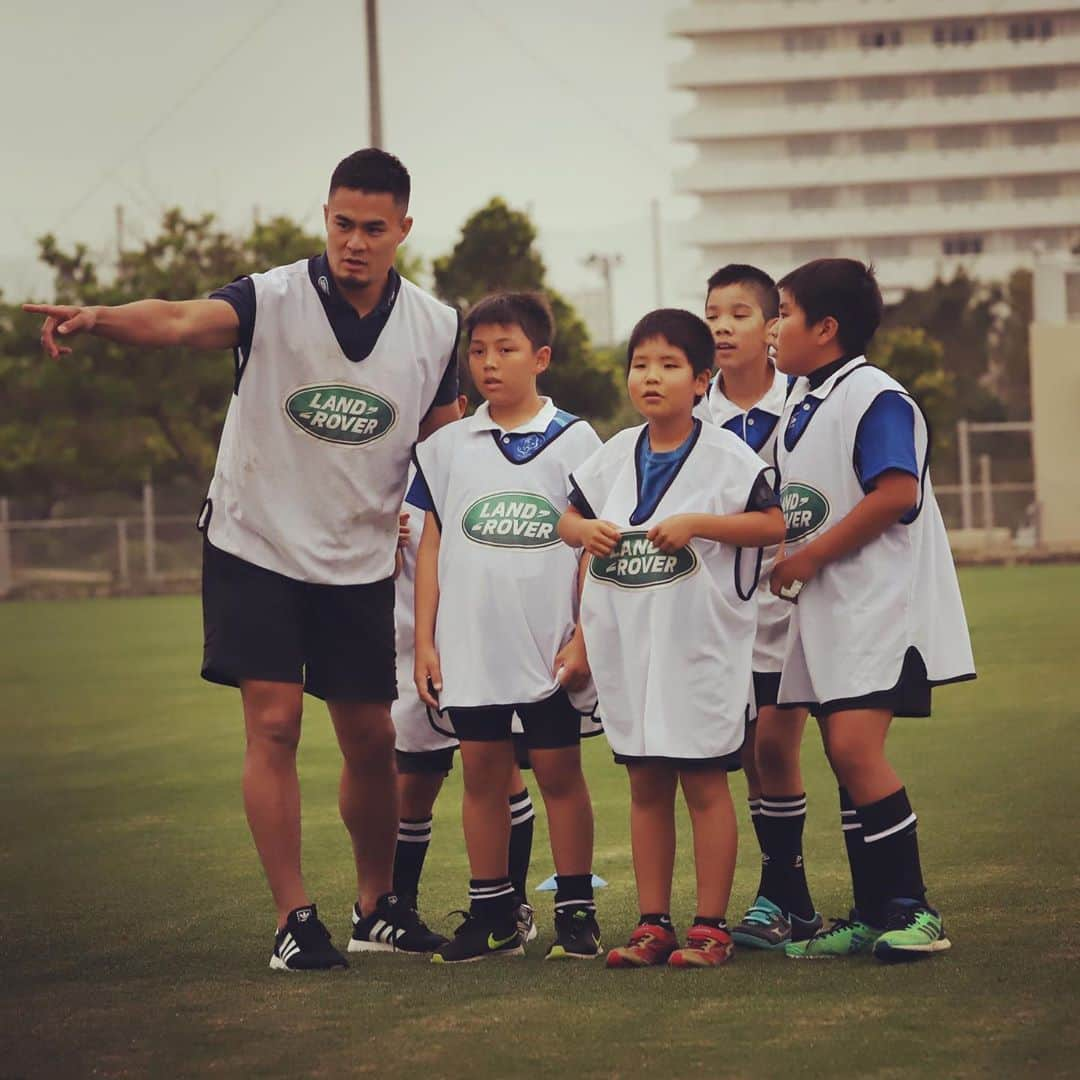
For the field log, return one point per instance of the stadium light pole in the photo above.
(605, 264)
(374, 97)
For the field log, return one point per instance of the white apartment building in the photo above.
(920, 134)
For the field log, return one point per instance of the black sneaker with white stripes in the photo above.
(303, 944)
(392, 927)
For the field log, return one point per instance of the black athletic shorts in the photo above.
(337, 641)
(766, 687)
(909, 697)
(442, 761)
(548, 725)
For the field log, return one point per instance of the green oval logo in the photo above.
(348, 415)
(805, 510)
(514, 519)
(637, 564)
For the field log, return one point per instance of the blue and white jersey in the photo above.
(314, 454)
(508, 587)
(757, 427)
(857, 618)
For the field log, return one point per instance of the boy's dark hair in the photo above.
(847, 290)
(529, 310)
(373, 170)
(680, 328)
(742, 274)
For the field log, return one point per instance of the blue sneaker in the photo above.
(765, 926)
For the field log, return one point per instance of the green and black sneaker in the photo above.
(913, 930)
(577, 936)
(479, 938)
(843, 937)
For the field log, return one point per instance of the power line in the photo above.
(243, 40)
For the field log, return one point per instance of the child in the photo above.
(425, 756)
(669, 613)
(746, 397)
(878, 619)
(491, 562)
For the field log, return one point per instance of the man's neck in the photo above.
(511, 415)
(747, 386)
(669, 434)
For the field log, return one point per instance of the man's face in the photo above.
(363, 232)
(739, 327)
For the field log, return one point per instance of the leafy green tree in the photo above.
(496, 251)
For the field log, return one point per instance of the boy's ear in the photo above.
(770, 329)
(827, 330)
(701, 383)
(543, 358)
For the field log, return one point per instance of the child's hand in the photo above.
(427, 674)
(572, 664)
(599, 537)
(403, 530)
(673, 533)
(790, 575)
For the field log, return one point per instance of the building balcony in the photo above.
(712, 123)
(716, 18)
(713, 66)
(714, 228)
(710, 177)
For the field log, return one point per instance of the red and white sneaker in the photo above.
(649, 945)
(706, 946)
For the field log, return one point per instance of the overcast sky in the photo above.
(561, 107)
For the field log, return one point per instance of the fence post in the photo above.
(148, 531)
(6, 573)
(987, 496)
(965, 473)
(123, 566)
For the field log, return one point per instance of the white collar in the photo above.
(724, 409)
(481, 419)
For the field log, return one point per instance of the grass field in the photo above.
(135, 926)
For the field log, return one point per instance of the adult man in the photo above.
(340, 365)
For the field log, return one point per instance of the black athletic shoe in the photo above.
(577, 936)
(303, 944)
(478, 938)
(392, 927)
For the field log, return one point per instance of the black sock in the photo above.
(656, 918)
(755, 820)
(522, 816)
(413, 838)
(716, 924)
(491, 898)
(783, 876)
(573, 892)
(891, 851)
(861, 887)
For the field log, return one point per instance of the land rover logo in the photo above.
(637, 564)
(341, 414)
(805, 510)
(513, 519)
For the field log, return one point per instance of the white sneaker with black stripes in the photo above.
(392, 927)
(303, 944)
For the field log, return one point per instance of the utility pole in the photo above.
(374, 96)
(605, 264)
(119, 232)
(657, 250)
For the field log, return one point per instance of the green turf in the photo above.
(135, 928)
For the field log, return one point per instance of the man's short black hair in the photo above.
(742, 274)
(847, 290)
(529, 310)
(376, 171)
(680, 328)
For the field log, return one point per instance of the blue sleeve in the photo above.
(447, 392)
(418, 494)
(762, 495)
(240, 295)
(886, 439)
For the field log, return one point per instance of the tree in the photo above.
(496, 251)
(101, 417)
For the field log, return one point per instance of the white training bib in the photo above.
(858, 616)
(507, 584)
(670, 636)
(757, 427)
(313, 457)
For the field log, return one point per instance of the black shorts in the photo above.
(442, 761)
(550, 724)
(337, 641)
(725, 763)
(909, 697)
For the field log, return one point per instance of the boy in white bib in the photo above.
(878, 618)
(674, 515)
(496, 622)
(746, 397)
